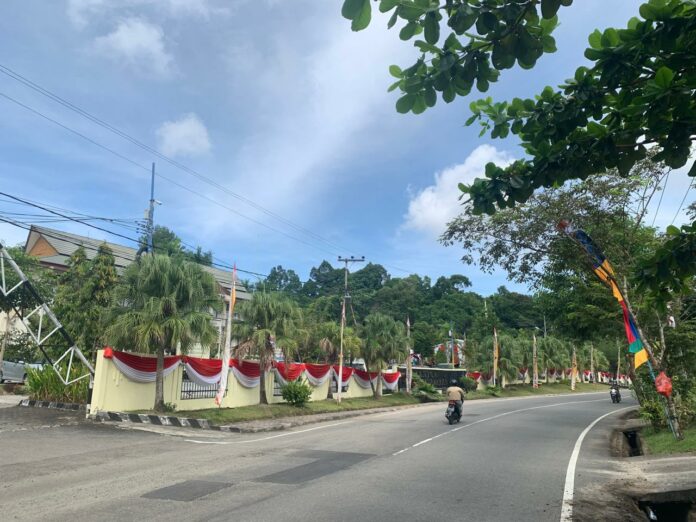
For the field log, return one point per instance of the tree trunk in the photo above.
(159, 381)
(374, 391)
(378, 392)
(263, 399)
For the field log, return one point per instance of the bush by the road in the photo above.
(296, 393)
(468, 384)
(45, 385)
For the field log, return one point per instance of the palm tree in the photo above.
(268, 319)
(384, 340)
(163, 304)
(553, 353)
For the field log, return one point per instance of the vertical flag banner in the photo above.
(604, 271)
(228, 340)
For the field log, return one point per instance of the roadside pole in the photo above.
(592, 375)
(574, 370)
(535, 374)
(409, 365)
(618, 359)
(495, 355)
(345, 260)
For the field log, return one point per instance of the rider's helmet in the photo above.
(453, 382)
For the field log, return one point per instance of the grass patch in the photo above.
(662, 442)
(223, 416)
(526, 390)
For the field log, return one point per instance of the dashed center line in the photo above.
(489, 419)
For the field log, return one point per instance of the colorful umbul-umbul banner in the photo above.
(603, 269)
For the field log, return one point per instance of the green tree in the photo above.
(384, 341)
(163, 304)
(84, 296)
(281, 280)
(167, 242)
(268, 320)
(639, 93)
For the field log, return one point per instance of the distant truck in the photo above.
(15, 371)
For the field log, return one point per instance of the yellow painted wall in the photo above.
(355, 391)
(113, 391)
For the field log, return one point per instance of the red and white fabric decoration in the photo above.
(139, 368)
(391, 380)
(247, 373)
(317, 374)
(474, 375)
(203, 371)
(285, 373)
(363, 378)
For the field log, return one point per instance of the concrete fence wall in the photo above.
(113, 391)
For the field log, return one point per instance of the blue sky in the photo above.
(278, 101)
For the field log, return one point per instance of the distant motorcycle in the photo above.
(615, 395)
(452, 414)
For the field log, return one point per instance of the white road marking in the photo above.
(568, 490)
(222, 442)
(492, 418)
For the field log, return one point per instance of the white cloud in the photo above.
(139, 44)
(433, 207)
(186, 136)
(80, 11)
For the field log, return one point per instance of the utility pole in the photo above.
(574, 370)
(544, 326)
(451, 332)
(535, 371)
(618, 359)
(346, 296)
(151, 214)
(495, 354)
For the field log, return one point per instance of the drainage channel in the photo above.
(634, 449)
(671, 506)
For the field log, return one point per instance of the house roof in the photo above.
(61, 245)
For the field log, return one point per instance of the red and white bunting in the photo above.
(247, 373)
(138, 368)
(391, 380)
(363, 378)
(203, 371)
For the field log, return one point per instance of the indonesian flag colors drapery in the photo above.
(247, 373)
(347, 374)
(228, 339)
(316, 374)
(205, 371)
(363, 379)
(138, 368)
(605, 272)
(391, 380)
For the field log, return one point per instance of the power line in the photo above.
(682, 201)
(664, 189)
(132, 162)
(45, 92)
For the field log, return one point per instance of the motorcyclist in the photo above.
(614, 389)
(456, 394)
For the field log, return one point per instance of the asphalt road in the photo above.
(507, 460)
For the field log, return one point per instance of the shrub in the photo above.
(468, 384)
(494, 391)
(296, 393)
(45, 385)
(424, 391)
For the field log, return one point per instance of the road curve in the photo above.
(506, 460)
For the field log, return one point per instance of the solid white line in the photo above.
(492, 418)
(223, 442)
(568, 490)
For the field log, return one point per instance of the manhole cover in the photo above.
(188, 490)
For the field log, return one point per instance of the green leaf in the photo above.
(405, 103)
(471, 119)
(610, 38)
(595, 39)
(394, 85)
(395, 71)
(419, 105)
(430, 97)
(387, 5)
(432, 28)
(673, 231)
(359, 11)
(393, 19)
(664, 77)
(408, 30)
(449, 94)
(549, 8)
(692, 170)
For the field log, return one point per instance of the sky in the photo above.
(278, 103)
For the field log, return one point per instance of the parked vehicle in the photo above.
(615, 395)
(452, 414)
(15, 371)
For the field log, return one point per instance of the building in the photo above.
(53, 249)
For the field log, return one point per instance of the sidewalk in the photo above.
(7, 401)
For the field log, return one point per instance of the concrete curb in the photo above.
(244, 427)
(70, 406)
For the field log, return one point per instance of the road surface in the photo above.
(506, 460)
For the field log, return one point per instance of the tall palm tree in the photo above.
(163, 304)
(268, 320)
(384, 340)
(553, 353)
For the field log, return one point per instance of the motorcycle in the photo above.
(452, 414)
(615, 395)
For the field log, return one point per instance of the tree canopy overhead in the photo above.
(638, 95)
